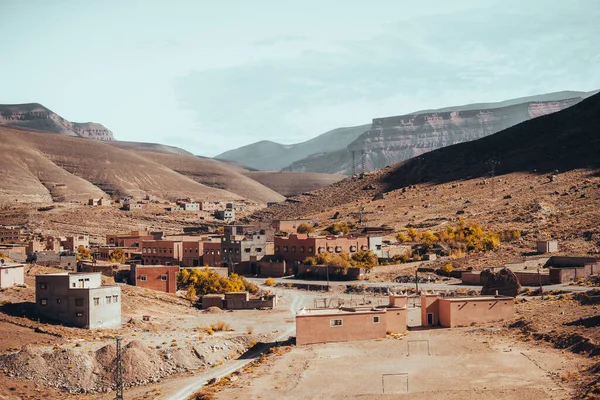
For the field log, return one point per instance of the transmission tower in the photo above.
(492, 164)
(353, 163)
(362, 166)
(119, 372)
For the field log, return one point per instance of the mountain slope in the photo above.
(293, 183)
(393, 139)
(563, 141)
(211, 173)
(43, 167)
(35, 116)
(271, 156)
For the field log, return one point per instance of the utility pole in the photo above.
(119, 372)
(327, 272)
(417, 279)
(436, 203)
(353, 163)
(492, 163)
(540, 281)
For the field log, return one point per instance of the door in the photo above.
(429, 319)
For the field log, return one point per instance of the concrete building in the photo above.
(547, 246)
(162, 252)
(131, 206)
(212, 253)
(190, 206)
(11, 274)
(11, 235)
(238, 301)
(72, 243)
(567, 269)
(463, 311)
(241, 246)
(103, 253)
(155, 277)
(351, 323)
(225, 215)
(16, 252)
(296, 247)
(193, 252)
(209, 206)
(133, 239)
(78, 299)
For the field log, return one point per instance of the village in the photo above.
(300, 281)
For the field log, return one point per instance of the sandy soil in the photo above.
(465, 363)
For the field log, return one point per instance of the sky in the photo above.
(211, 76)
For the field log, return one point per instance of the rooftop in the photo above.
(10, 265)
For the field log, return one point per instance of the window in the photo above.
(259, 249)
(163, 277)
(79, 314)
(335, 322)
(301, 249)
(79, 302)
(310, 249)
(375, 320)
(73, 285)
(58, 301)
(96, 301)
(44, 302)
(115, 298)
(43, 286)
(293, 249)
(285, 248)
(247, 250)
(87, 279)
(143, 278)
(276, 248)
(108, 299)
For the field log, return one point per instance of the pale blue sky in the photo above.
(210, 76)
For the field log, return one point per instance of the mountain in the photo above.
(293, 183)
(34, 116)
(566, 140)
(270, 156)
(393, 139)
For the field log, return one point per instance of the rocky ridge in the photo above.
(37, 117)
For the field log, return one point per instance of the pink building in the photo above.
(463, 311)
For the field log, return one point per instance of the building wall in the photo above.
(316, 328)
(547, 246)
(457, 312)
(70, 299)
(290, 225)
(162, 252)
(212, 254)
(72, 243)
(471, 278)
(398, 300)
(335, 273)
(274, 269)
(429, 305)
(192, 253)
(157, 277)
(11, 276)
(395, 320)
(11, 235)
(532, 278)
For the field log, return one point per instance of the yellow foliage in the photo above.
(447, 268)
(305, 228)
(401, 237)
(270, 281)
(207, 281)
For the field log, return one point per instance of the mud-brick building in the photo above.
(11, 235)
(155, 277)
(78, 299)
(351, 323)
(463, 311)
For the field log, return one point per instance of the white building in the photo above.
(11, 274)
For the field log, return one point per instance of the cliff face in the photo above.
(394, 139)
(35, 116)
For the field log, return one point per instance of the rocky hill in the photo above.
(393, 139)
(270, 156)
(34, 116)
(563, 141)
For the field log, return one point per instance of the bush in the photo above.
(207, 281)
(305, 228)
(338, 228)
(401, 237)
(270, 281)
(448, 268)
(365, 259)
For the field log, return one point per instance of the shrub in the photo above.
(207, 281)
(365, 259)
(305, 228)
(401, 237)
(270, 281)
(220, 326)
(338, 228)
(118, 255)
(448, 268)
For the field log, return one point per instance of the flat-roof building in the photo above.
(11, 274)
(78, 299)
